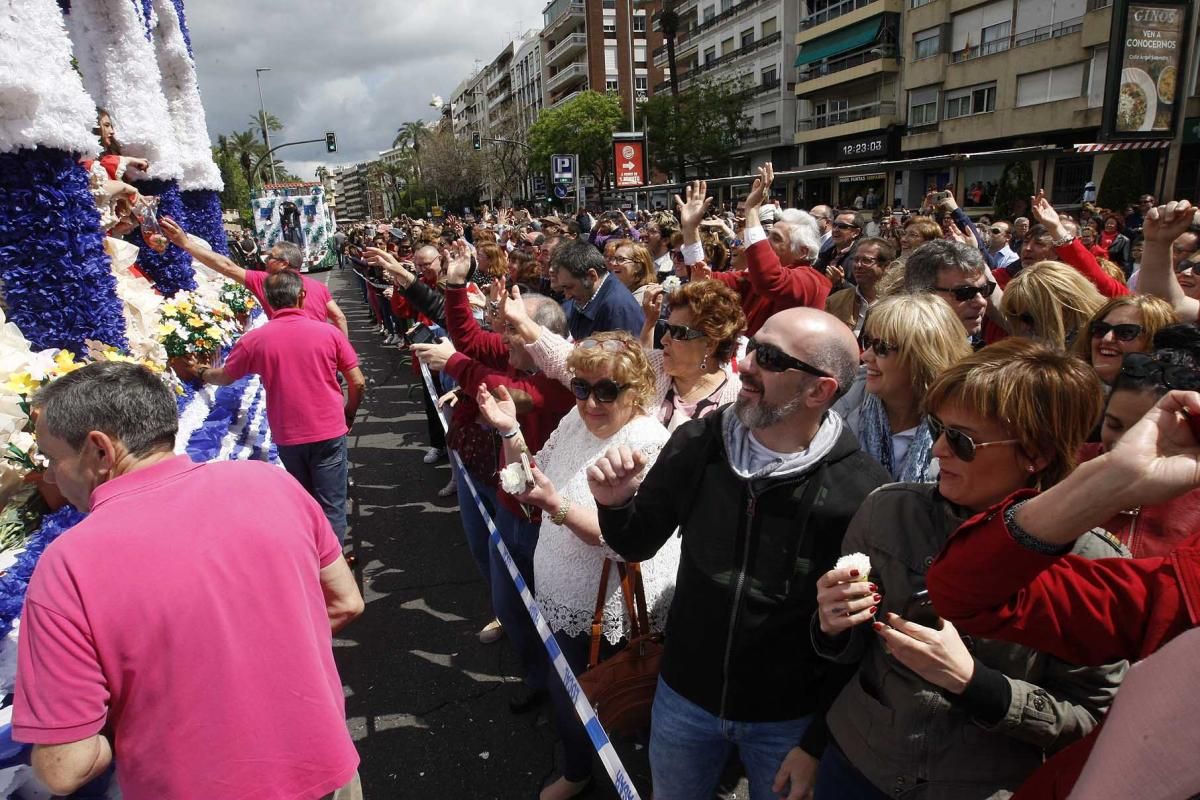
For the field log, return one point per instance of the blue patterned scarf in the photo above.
(876, 439)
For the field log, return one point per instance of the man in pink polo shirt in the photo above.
(299, 360)
(186, 624)
(319, 304)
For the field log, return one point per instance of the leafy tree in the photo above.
(700, 128)
(506, 166)
(236, 194)
(1125, 179)
(583, 126)
(451, 167)
(1014, 190)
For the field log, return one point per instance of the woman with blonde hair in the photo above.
(613, 385)
(917, 231)
(908, 341)
(631, 264)
(691, 375)
(973, 718)
(1051, 302)
(1125, 324)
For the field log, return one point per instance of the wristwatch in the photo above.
(560, 516)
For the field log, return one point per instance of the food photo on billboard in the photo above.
(1147, 59)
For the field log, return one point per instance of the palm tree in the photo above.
(413, 133)
(244, 148)
(265, 121)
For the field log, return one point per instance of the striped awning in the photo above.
(1114, 146)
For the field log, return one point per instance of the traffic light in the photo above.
(477, 140)
(330, 142)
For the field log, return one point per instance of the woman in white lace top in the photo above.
(691, 372)
(614, 390)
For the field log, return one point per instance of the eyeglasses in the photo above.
(962, 445)
(677, 255)
(882, 349)
(998, 231)
(1187, 266)
(682, 333)
(607, 345)
(842, 226)
(620, 260)
(772, 359)
(273, 257)
(964, 293)
(606, 390)
(1126, 332)
(866, 260)
(1172, 376)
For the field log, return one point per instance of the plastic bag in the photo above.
(146, 211)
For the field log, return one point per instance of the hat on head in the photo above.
(768, 213)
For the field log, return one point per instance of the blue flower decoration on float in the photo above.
(15, 581)
(171, 270)
(57, 281)
(202, 217)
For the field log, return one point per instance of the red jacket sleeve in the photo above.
(470, 339)
(789, 286)
(1079, 610)
(470, 373)
(1075, 254)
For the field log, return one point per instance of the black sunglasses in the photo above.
(1172, 376)
(677, 255)
(682, 333)
(1126, 332)
(882, 349)
(964, 293)
(842, 226)
(772, 359)
(606, 390)
(961, 444)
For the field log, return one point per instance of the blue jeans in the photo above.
(838, 778)
(689, 748)
(322, 469)
(473, 523)
(520, 536)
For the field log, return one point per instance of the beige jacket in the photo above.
(912, 739)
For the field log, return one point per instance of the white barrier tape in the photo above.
(600, 741)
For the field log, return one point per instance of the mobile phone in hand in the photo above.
(919, 609)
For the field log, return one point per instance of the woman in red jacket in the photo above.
(1004, 573)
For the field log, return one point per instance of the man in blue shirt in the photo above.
(598, 301)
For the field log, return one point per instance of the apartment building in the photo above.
(602, 45)
(469, 107)
(525, 78)
(350, 185)
(752, 42)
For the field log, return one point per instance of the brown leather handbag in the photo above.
(621, 688)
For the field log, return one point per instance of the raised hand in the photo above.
(170, 228)
(616, 475)
(761, 189)
(499, 410)
(1161, 453)
(1164, 224)
(652, 303)
(458, 261)
(434, 355)
(1045, 213)
(388, 263)
(692, 210)
(843, 602)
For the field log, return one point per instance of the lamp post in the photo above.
(258, 71)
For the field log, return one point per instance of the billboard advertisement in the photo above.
(629, 163)
(1147, 58)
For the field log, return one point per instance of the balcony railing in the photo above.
(843, 115)
(833, 12)
(566, 75)
(764, 87)
(766, 41)
(570, 42)
(813, 71)
(728, 13)
(681, 38)
(762, 133)
(1045, 33)
(559, 10)
(566, 98)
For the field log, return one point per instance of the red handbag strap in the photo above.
(598, 616)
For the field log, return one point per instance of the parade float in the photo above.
(296, 213)
(72, 294)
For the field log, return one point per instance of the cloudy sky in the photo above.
(356, 67)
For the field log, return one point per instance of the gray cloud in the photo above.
(358, 68)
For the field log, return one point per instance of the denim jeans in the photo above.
(838, 778)
(689, 748)
(322, 469)
(474, 526)
(520, 536)
(577, 745)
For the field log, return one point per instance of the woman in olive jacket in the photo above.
(932, 714)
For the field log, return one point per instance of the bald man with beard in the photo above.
(761, 493)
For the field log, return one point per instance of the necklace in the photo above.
(707, 388)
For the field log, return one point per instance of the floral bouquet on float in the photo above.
(193, 329)
(239, 300)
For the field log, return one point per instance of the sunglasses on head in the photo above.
(606, 390)
(1173, 376)
(964, 293)
(882, 349)
(1126, 332)
(772, 359)
(962, 445)
(682, 333)
(607, 345)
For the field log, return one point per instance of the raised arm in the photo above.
(1162, 226)
(209, 258)
(1073, 252)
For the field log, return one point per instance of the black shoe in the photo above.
(527, 700)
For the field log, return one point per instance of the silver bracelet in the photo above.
(1027, 539)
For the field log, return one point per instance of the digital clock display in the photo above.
(858, 149)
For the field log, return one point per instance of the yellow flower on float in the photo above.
(195, 322)
(65, 361)
(22, 383)
(214, 332)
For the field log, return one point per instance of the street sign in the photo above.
(628, 164)
(562, 169)
(560, 191)
(539, 185)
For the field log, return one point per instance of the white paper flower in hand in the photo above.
(671, 284)
(512, 479)
(858, 561)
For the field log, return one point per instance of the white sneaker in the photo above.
(492, 632)
(391, 339)
(433, 455)
(449, 489)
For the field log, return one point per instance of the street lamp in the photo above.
(258, 71)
